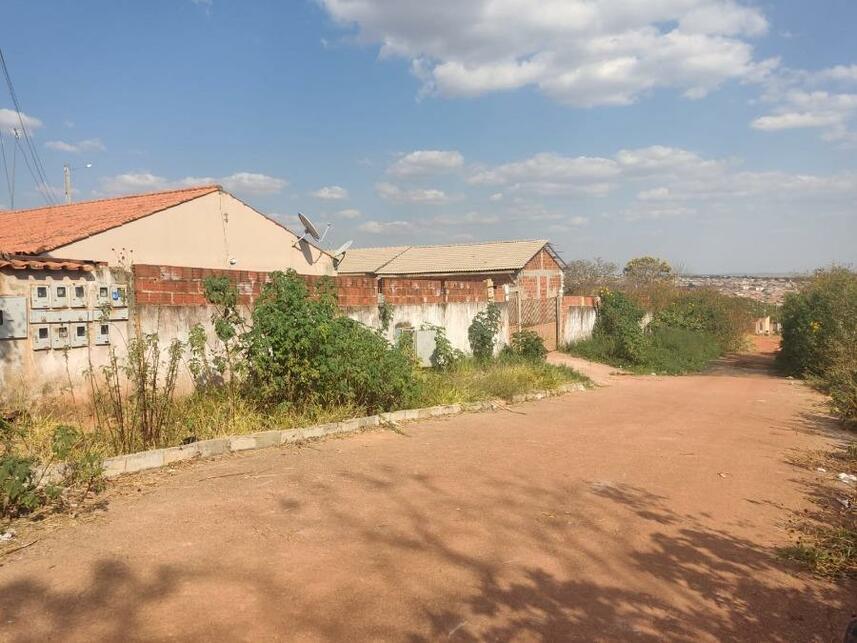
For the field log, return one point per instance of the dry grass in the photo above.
(827, 541)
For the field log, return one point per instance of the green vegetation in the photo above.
(820, 337)
(687, 330)
(297, 361)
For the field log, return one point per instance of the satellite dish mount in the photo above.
(310, 230)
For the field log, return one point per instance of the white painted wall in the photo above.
(579, 322)
(454, 317)
(202, 233)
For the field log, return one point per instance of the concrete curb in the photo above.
(146, 460)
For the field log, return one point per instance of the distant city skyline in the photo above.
(718, 134)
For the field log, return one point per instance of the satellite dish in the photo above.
(341, 249)
(309, 228)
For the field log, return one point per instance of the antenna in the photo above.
(341, 249)
(310, 230)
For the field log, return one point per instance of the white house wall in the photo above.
(205, 233)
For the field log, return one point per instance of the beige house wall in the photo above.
(204, 233)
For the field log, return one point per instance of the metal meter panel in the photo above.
(13, 317)
(40, 296)
(40, 337)
(59, 296)
(102, 295)
(60, 336)
(79, 335)
(102, 333)
(119, 296)
(77, 297)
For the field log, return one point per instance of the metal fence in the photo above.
(537, 315)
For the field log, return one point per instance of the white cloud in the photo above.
(9, 120)
(249, 183)
(86, 145)
(654, 194)
(599, 52)
(497, 196)
(468, 218)
(331, 193)
(395, 194)
(349, 213)
(548, 174)
(426, 162)
(386, 227)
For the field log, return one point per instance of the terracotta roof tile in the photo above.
(492, 256)
(30, 232)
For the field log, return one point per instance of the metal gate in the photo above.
(537, 315)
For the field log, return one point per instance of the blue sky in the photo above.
(719, 134)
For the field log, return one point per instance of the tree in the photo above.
(642, 271)
(587, 277)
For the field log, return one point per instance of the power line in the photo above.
(5, 167)
(37, 171)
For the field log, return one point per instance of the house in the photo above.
(70, 274)
(202, 226)
(531, 270)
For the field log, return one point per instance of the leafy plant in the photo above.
(385, 315)
(528, 345)
(301, 351)
(483, 331)
(444, 356)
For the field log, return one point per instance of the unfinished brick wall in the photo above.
(183, 286)
(541, 277)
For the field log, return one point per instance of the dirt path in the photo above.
(644, 510)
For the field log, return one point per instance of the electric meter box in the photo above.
(119, 296)
(102, 334)
(40, 296)
(13, 317)
(77, 299)
(60, 335)
(102, 295)
(79, 335)
(41, 337)
(59, 297)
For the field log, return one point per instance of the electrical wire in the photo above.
(5, 165)
(36, 168)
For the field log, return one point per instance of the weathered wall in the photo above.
(46, 371)
(577, 324)
(206, 232)
(454, 317)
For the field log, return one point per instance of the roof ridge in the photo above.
(456, 245)
(210, 186)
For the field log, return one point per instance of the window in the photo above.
(60, 291)
(63, 332)
(79, 292)
(42, 291)
(105, 329)
(103, 292)
(43, 333)
(81, 331)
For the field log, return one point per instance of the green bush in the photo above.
(619, 319)
(299, 350)
(674, 351)
(528, 345)
(726, 318)
(445, 355)
(819, 336)
(483, 331)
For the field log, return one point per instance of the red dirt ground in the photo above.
(649, 509)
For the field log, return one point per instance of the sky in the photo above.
(718, 134)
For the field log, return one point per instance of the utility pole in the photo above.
(14, 163)
(66, 170)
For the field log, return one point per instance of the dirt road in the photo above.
(645, 510)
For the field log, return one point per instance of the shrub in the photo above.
(302, 352)
(133, 397)
(619, 319)
(677, 350)
(728, 319)
(819, 337)
(527, 344)
(483, 331)
(444, 356)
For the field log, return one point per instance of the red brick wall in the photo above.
(182, 286)
(578, 301)
(532, 281)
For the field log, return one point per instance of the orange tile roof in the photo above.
(30, 232)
